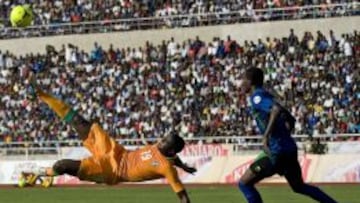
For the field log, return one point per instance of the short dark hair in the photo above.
(176, 141)
(179, 143)
(255, 75)
(171, 144)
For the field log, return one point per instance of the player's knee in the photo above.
(243, 185)
(66, 166)
(59, 167)
(298, 188)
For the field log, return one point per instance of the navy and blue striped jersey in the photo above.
(280, 139)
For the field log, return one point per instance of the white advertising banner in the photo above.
(338, 168)
(11, 170)
(237, 165)
(344, 147)
(215, 164)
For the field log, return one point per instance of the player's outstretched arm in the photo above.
(171, 175)
(183, 196)
(178, 162)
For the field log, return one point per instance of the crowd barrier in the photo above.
(217, 163)
(138, 38)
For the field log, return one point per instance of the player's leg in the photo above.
(64, 111)
(105, 150)
(45, 174)
(247, 186)
(64, 166)
(95, 139)
(67, 166)
(87, 169)
(61, 167)
(260, 169)
(293, 175)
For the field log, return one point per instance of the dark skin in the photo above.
(185, 167)
(165, 147)
(183, 196)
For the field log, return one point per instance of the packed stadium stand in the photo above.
(52, 12)
(193, 83)
(141, 68)
(75, 17)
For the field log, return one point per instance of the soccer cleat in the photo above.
(28, 179)
(22, 180)
(31, 179)
(47, 181)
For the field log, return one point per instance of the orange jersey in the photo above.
(112, 163)
(148, 163)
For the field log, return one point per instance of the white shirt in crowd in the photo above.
(1, 61)
(348, 49)
(68, 54)
(171, 48)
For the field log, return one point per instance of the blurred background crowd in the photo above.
(169, 13)
(194, 86)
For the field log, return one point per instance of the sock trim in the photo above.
(69, 116)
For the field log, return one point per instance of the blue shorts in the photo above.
(265, 165)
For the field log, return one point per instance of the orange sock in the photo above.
(60, 107)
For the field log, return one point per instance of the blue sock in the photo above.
(250, 193)
(315, 193)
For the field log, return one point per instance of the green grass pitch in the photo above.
(160, 194)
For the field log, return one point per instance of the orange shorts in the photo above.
(103, 165)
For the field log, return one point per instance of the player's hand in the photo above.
(190, 170)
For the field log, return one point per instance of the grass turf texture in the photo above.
(203, 194)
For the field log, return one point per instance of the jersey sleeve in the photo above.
(172, 176)
(262, 102)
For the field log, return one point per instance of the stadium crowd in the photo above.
(193, 86)
(215, 12)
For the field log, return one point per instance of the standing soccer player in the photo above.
(110, 162)
(280, 151)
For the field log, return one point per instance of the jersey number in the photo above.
(146, 155)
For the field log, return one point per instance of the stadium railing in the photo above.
(240, 143)
(190, 20)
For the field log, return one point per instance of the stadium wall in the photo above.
(240, 32)
(217, 163)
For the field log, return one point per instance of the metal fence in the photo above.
(245, 140)
(240, 145)
(191, 20)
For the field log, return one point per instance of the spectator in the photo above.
(194, 87)
(173, 13)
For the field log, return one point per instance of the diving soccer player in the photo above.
(110, 162)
